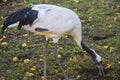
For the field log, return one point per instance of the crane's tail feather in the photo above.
(21, 17)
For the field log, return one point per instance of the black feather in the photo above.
(41, 29)
(25, 16)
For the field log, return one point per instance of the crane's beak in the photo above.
(101, 69)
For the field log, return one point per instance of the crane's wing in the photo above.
(23, 16)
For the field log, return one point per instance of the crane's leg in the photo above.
(56, 57)
(45, 61)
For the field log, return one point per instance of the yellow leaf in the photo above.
(27, 60)
(4, 37)
(24, 45)
(108, 66)
(33, 69)
(43, 77)
(75, 58)
(4, 43)
(46, 1)
(4, 0)
(25, 35)
(109, 26)
(76, 1)
(15, 59)
(78, 76)
(106, 47)
(115, 18)
(41, 59)
(2, 17)
(59, 56)
(83, 21)
(1, 39)
(29, 74)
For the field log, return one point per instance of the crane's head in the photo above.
(95, 57)
(98, 60)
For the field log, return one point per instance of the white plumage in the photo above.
(52, 22)
(58, 20)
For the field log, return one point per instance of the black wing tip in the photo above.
(41, 29)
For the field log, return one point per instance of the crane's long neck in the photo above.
(92, 53)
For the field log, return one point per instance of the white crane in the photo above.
(52, 22)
